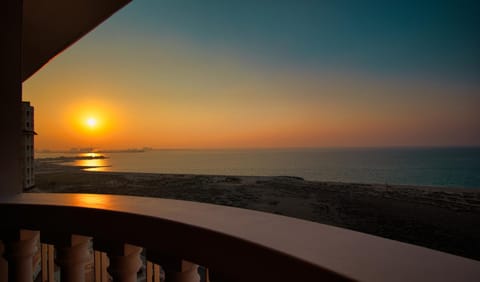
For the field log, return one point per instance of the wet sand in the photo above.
(439, 218)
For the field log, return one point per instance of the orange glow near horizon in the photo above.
(238, 122)
(91, 121)
(80, 123)
(188, 98)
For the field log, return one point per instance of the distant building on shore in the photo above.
(28, 142)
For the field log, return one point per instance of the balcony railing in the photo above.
(233, 244)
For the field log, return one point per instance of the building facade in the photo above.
(28, 145)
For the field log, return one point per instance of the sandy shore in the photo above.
(438, 218)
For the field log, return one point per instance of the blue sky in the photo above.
(431, 38)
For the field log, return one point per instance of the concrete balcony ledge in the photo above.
(238, 244)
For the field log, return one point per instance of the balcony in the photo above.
(176, 236)
(233, 244)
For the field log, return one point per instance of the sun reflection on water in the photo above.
(92, 162)
(90, 155)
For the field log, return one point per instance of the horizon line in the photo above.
(73, 150)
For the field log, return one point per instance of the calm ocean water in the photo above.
(452, 167)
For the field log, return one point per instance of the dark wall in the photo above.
(10, 96)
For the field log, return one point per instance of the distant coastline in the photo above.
(93, 150)
(72, 158)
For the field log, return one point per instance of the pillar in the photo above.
(20, 247)
(175, 269)
(188, 272)
(125, 265)
(73, 258)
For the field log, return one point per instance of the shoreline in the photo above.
(440, 218)
(65, 163)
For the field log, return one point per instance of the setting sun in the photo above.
(91, 122)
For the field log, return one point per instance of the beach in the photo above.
(444, 219)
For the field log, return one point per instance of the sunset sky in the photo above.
(257, 74)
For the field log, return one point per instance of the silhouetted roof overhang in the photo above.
(51, 26)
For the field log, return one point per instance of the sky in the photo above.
(266, 74)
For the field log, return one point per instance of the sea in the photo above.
(440, 167)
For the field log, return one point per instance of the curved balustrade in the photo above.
(234, 244)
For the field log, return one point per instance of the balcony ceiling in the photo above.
(50, 26)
